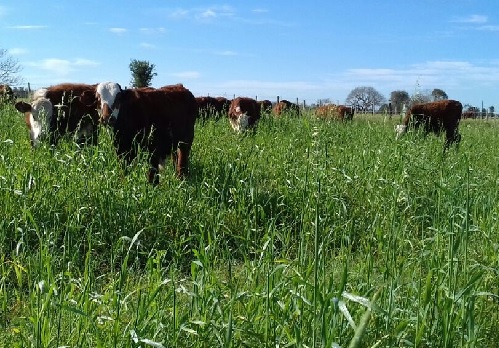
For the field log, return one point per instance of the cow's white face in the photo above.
(38, 119)
(107, 92)
(399, 130)
(241, 123)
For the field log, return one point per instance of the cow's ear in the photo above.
(88, 97)
(23, 107)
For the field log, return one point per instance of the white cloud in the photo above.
(84, 62)
(226, 53)
(118, 30)
(187, 75)
(474, 19)
(259, 10)
(202, 13)
(208, 14)
(179, 13)
(17, 51)
(150, 31)
(62, 67)
(28, 27)
(488, 28)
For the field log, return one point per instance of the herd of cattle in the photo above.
(161, 120)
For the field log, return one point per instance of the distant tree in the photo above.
(142, 73)
(365, 99)
(438, 94)
(399, 99)
(9, 69)
(492, 110)
(421, 97)
(323, 101)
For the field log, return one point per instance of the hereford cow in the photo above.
(6, 94)
(243, 113)
(57, 110)
(265, 106)
(436, 117)
(332, 111)
(210, 107)
(223, 105)
(286, 106)
(159, 120)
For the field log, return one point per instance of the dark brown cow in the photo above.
(332, 111)
(243, 113)
(436, 117)
(286, 106)
(468, 114)
(210, 107)
(57, 110)
(6, 94)
(223, 104)
(160, 120)
(265, 105)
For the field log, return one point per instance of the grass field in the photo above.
(305, 234)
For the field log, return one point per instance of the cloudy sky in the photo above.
(292, 49)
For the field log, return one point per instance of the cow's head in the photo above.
(107, 95)
(399, 130)
(239, 120)
(37, 115)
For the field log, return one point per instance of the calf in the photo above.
(159, 120)
(243, 113)
(436, 117)
(57, 110)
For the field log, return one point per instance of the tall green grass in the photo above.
(306, 233)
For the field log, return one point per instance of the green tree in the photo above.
(142, 73)
(439, 94)
(398, 100)
(9, 69)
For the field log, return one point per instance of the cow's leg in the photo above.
(451, 136)
(183, 151)
(153, 175)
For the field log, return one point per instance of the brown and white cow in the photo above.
(159, 120)
(244, 113)
(436, 117)
(286, 106)
(57, 110)
(333, 111)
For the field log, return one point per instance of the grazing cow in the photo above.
(436, 117)
(244, 113)
(57, 110)
(286, 106)
(210, 107)
(6, 94)
(159, 120)
(265, 105)
(337, 112)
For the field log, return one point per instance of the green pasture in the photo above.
(306, 233)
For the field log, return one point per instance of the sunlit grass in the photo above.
(306, 233)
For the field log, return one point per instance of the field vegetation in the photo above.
(306, 233)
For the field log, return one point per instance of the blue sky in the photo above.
(292, 49)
